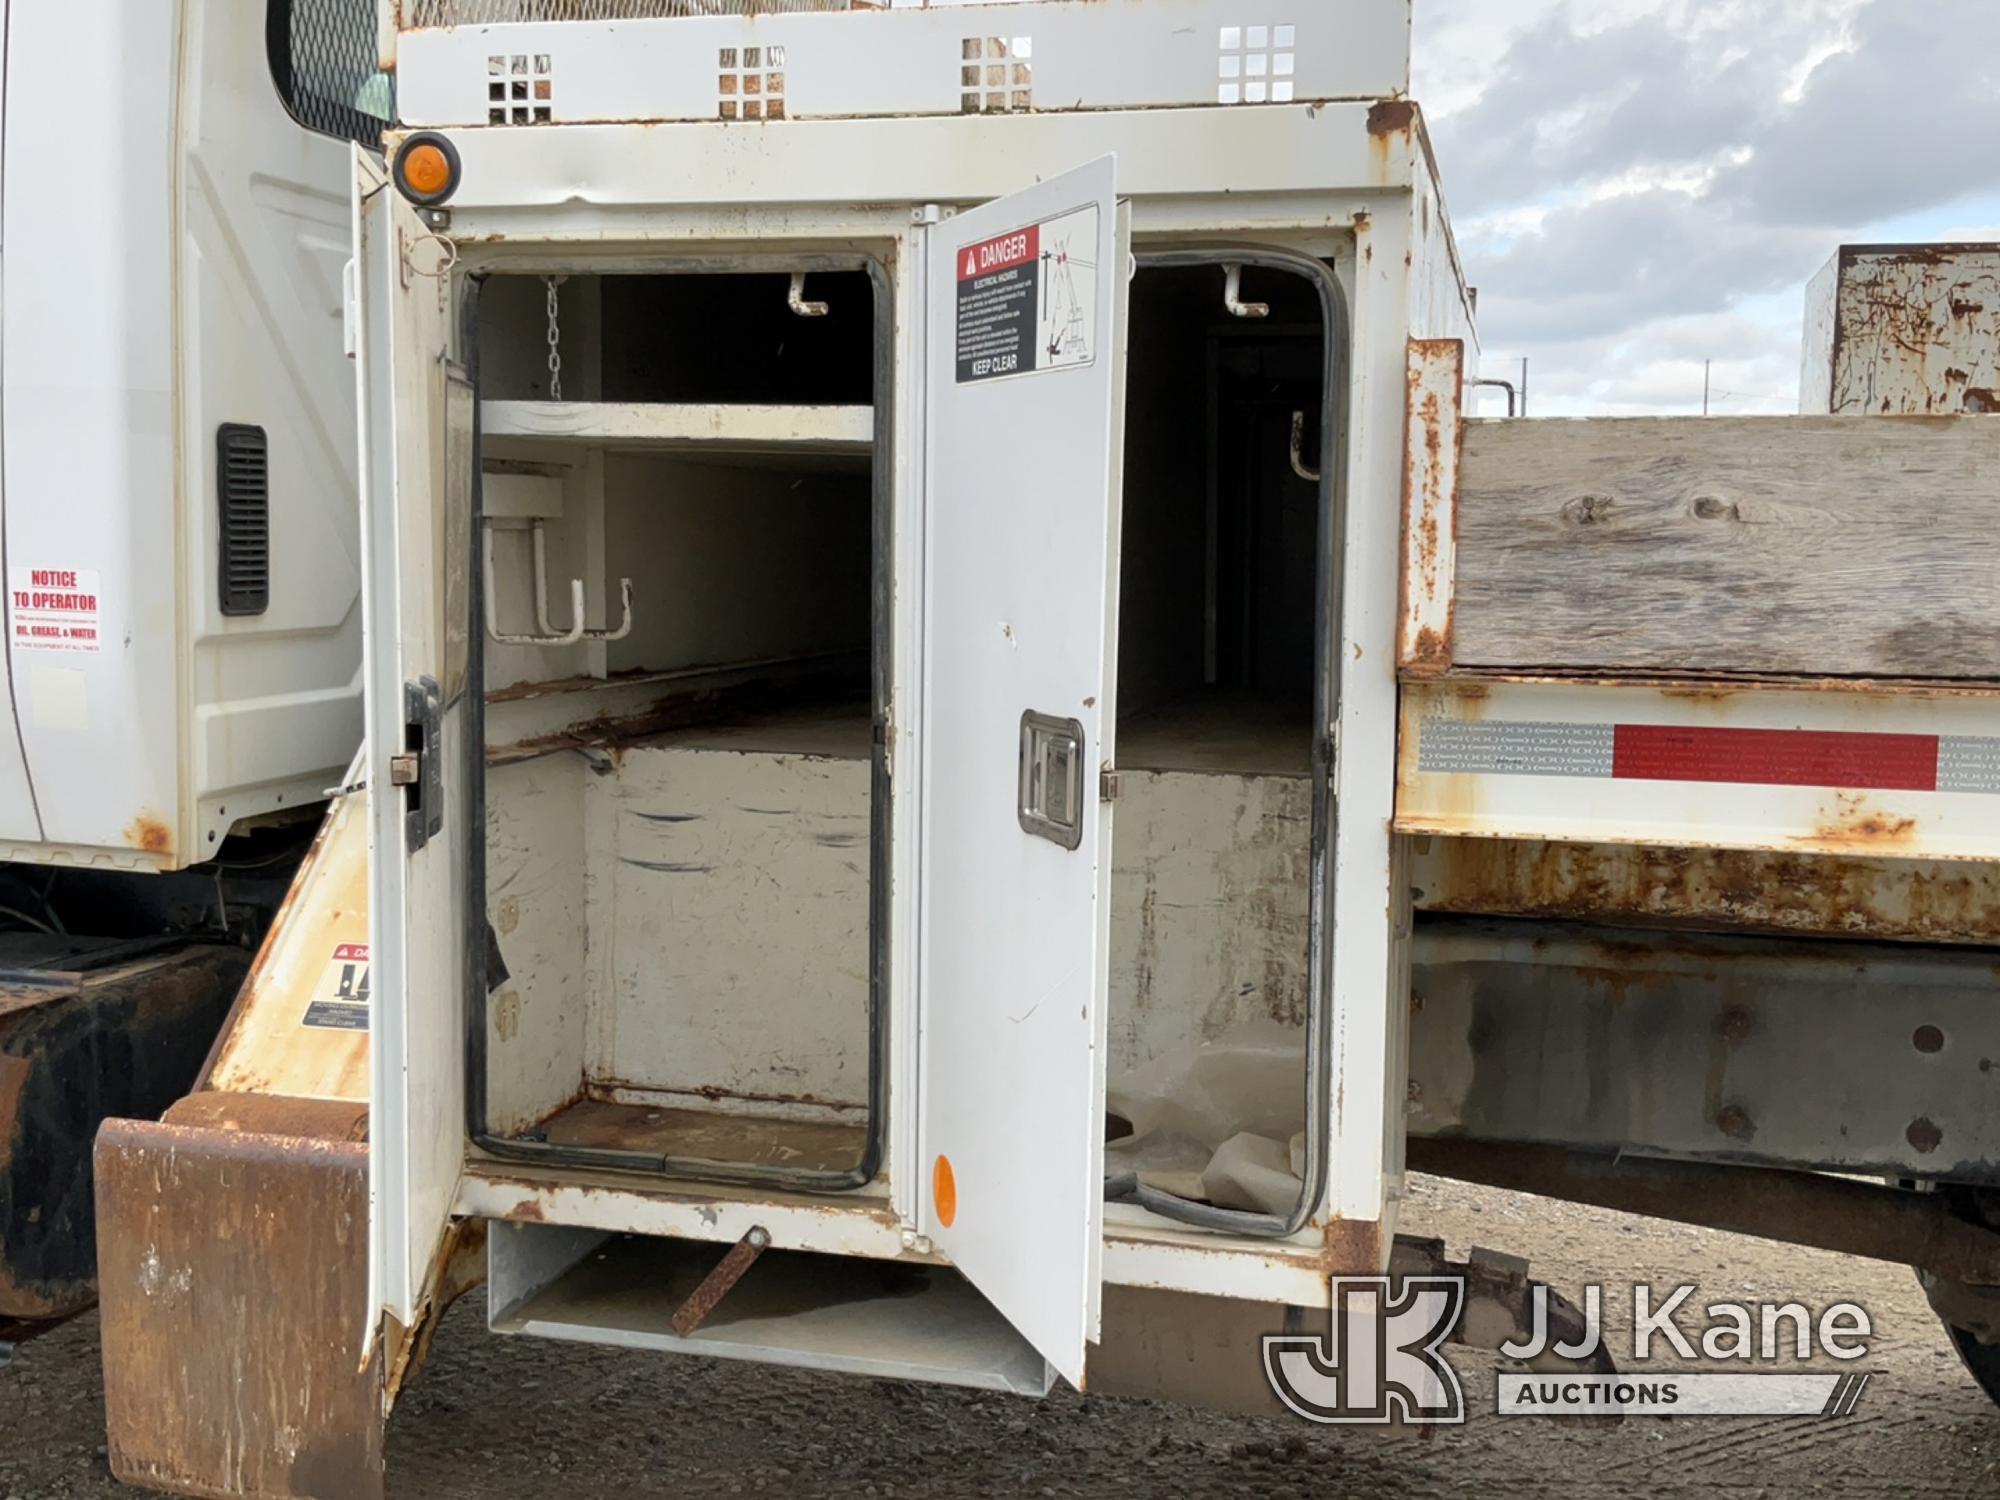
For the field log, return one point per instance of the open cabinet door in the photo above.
(415, 423)
(1026, 320)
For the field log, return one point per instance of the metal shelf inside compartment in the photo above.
(890, 1319)
(841, 437)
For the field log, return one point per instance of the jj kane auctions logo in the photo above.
(1382, 1359)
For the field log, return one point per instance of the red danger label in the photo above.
(1001, 253)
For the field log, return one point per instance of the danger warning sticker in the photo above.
(1027, 299)
(53, 609)
(342, 1001)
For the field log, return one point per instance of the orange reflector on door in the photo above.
(944, 1191)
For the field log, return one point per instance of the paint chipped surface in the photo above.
(1430, 506)
(1916, 331)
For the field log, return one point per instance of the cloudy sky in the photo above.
(1639, 185)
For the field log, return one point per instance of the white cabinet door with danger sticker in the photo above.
(1024, 415)
(1027, 299)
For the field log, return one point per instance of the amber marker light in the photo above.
(426, 169)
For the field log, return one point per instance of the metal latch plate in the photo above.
(1052, 779)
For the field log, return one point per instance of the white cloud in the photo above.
(1643, 185)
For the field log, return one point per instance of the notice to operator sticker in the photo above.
(341, 1003)
(53, 609)
(1027, 299)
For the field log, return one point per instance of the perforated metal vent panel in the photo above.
(427, 13)
(243, 485)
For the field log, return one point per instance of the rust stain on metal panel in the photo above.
(1916, 330)
(19, 1299)
(1854, 825)
(273, 1114)
(1779, 891)
(1391, 116)
(150, 832)
(1353, 1247)
(460, 1266)
(540, 1190)
(254, 980)
(1389, 121)
(233, 1265)
(126, 1039)
(662, 1130)
(1426, 595)
(265, 1047)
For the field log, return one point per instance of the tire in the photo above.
(1981, 1359)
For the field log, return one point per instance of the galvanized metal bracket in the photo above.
(419, 768)
(718, 1283)
(797, 301)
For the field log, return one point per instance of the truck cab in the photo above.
(180, 536)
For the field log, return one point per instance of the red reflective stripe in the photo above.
(1776, 757)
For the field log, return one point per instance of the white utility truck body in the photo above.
(966, 1055)
(965, 747)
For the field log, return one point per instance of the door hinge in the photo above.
(1110, 785)
(418, 768)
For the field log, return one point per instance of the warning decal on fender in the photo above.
(342, 1001)
(1027, 299)
(53, 609)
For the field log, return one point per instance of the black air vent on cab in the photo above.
(243, 481)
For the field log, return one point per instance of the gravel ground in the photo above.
(516, 1418)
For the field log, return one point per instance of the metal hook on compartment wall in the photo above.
(1232, 296)
(1299, 465)
(565, 637)
(550, 635)
(795, 299)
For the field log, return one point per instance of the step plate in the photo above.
(898, 1320)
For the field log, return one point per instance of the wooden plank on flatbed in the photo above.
(1825, 546)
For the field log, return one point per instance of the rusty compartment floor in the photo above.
(709, 1135)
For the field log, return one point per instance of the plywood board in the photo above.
(1837, 546)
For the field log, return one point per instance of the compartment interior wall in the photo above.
(1212, 838)
(684, 916)
(738, 561)
(752, 829)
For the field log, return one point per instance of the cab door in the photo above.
(415, 412)
(1026, 316)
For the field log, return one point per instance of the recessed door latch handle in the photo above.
(1052, 779)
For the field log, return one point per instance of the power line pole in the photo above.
(1524, 387)
(1707, 366)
